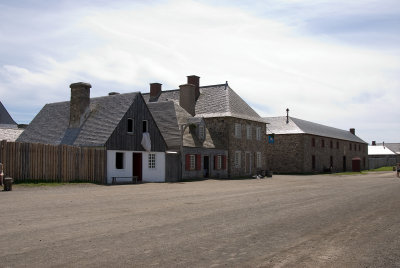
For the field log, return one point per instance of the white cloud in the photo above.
(269, 63)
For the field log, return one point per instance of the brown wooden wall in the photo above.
(120, 139)
(34, 162)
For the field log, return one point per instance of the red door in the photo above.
(356, 164)
(137, 165)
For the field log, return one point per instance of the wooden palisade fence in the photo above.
(34, 162)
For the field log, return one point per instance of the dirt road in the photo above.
(286, 221)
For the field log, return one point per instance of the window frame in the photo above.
(201, 132)
(238, 159)
(129, 126)
(258, 159)
(151, 163)
(258, 133)
(238, 130)
(119, 160)
(145, 126)
(192, 162)
(248, 132)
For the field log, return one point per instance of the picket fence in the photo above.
(33, 162)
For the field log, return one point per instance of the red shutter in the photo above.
(187, 162)
(224, 162)
(198, 161)
(215, 162)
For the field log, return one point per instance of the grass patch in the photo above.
(390, 168)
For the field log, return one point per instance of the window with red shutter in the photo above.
(224, 162)
(198, 161)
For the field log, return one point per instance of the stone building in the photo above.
(198, 154)
(229, 121)
(299, 146)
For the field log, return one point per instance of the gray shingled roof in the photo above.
(5, 117)
(277, 125)
(50, 126)
(215, 101)
(169, 116)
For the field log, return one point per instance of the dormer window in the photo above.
(201, 132)
(130, 125)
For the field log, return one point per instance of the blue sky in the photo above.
(331, 62)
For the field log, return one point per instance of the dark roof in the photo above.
(50, 126)
(5, 117)
(169, 117)
(278, 125)
(166, 116)
(215, 101)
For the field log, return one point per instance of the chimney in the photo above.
(194, 80)
(112, 93)
(353, 131)
(79, 105)
(287, 115)
(155, 91)
(373, 143)
(187, 98)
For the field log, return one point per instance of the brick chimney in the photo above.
(353, 131)
(373, 143)
(187, 98)
(155, 91)
(195, 80)
(79, 105)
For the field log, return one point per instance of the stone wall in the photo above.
(213, 173)
(293, 153)
(224, 129)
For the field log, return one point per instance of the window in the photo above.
(248, 132)
(359, 147)
(238, 130)
(145, 126)
(258, 159)
(237, 159)
(331, 163)
(337, 145)
(201, 132)
(331, 144)
(130, 125)
(219, 162)
(152, 160)
(350, 146)
(322, 143)
(119, 160)
(258, 133)
(192, 164)
(313, 142)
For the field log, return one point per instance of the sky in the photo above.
(335, 63)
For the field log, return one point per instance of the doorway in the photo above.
(344, 163)
(137, 166)
(206, 166)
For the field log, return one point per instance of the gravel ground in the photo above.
(284, 221)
